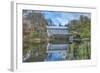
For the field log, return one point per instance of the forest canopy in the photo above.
(81, 26)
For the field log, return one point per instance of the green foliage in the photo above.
(83, 51)
(82, 26)
(35, 35)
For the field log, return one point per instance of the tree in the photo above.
(80, 29)
(82, 26)
(50, 22)
(60, 24)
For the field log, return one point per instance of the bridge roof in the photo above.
(56, 27)
(57, 46)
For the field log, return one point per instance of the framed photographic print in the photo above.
(52, 36)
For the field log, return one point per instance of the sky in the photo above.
(58, 17)
(62, 17)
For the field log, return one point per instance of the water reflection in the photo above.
(56, 56)
(51, 52)
(56, 52)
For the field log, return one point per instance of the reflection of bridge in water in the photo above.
(57, 47)
(56, 52)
